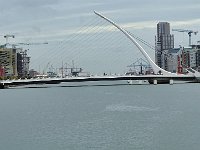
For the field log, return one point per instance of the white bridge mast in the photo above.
(156, 69)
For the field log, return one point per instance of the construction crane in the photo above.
(32, 43)
(17, 44)
(143, 64)
(8, 36)
(14, 45)
(188, 31)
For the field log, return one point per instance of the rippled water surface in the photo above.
(139, 117)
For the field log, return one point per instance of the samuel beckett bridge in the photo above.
(160, 75)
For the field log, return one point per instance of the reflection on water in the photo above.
(128, 108)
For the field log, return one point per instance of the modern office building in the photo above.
(172, 61)
(163, 42)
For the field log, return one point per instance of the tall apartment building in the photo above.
(189, 57)
(23, 61)
(198, 60)
(14, 61)
(163, 42)
(8, 60)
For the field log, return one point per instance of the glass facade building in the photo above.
(164, 42)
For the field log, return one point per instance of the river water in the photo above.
(113, 117)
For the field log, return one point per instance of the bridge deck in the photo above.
(96, 78)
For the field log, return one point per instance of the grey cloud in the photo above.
(29, 3)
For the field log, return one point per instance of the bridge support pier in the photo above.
(155, 82)
(130, 81)
(171, 82)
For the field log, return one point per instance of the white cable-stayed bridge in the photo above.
(160, 75)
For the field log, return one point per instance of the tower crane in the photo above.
(188, 31)
(8, 36)
(32, 43)
(17, 44)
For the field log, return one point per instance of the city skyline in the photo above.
(33, 21)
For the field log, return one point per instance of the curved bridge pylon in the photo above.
(156, 68)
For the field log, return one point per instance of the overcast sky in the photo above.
(51, 20)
